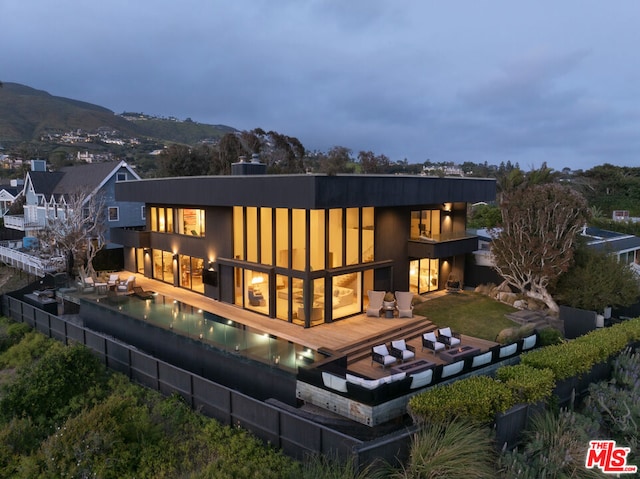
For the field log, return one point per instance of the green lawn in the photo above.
(469, 313)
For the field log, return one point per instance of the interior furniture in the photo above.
(375, 303)
(380, 354)
(448, 337)
(404, 300)
(430, 341)
(403, 351)
(255, 297)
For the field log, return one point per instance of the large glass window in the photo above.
(191, 273)
(252, 234)
(353, 235)
(191, 221)
(367, 235)
(238, 232)
(425, 224)
(346, 295)
(282, 237)
(162, 219)
(256, 291)
(423, 275)
(317, 239)
(298, 231)
(266, 236)
(335, 238)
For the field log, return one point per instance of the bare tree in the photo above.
(77, 231)
(535, 244)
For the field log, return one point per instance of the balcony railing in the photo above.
(29, 263)
(17, 222)
(448, 236)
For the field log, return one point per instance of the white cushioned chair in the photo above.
(401, 350)
(380, 354)
(430, 341)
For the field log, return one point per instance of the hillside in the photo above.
(27, 113)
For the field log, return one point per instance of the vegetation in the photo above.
(540, 225)
(529, 385)
(477, 398)
(596, 280)
(455, 450)
(468, 313)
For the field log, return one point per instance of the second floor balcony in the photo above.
(18, 222)
(442, 245)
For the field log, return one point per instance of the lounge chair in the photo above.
(141, 293)
(430, 341)
(404, 300)
(255, 297)
(375, 303)
(401, 350)
(113, 280)
(380, 354)
(127, 286)
(448, 337)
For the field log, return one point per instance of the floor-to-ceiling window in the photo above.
(294, 243)
(423, 275)
(425, 224)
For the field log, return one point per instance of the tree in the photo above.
(536, 243)
(78, 231)
(370, 163)
(181, 160)
(336, 161)
(597, 280)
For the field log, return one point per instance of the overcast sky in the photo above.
(468, 80)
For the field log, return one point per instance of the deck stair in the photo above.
(362, 348)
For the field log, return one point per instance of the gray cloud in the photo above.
(494, 81)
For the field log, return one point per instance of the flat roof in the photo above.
(307, 191)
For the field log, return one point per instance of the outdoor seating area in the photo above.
(341, 385)
(398, 304)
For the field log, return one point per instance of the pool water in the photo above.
(211, 329)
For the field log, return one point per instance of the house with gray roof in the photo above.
(46, 195)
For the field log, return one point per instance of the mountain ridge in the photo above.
(27, 113)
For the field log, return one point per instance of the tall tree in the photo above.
(535, 245)
(371, 163)
(78, 231)
(181, 160)
(336, 161)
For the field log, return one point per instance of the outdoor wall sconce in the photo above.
(147, 251)
(175, 257)
(211, 266)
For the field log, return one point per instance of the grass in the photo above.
(468, 313)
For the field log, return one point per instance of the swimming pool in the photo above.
(217, 331)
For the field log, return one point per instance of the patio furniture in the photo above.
(101, 288)
(454, 284)
(141, 293)
(405, 306)
(401, 350)
(127, 286)
(380, 354)
(413, 367)
(375, 303)
(430, 341)
(113, 280)
(86, 285)
(448, 337)
(456, 354)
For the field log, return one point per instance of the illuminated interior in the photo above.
(425, 224)
(423, 275)
(334, 238)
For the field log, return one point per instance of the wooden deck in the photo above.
(354, 336)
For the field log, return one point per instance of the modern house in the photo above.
(46, 195)
(301, 248)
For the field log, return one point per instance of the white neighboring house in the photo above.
(625, 247)
(8, 194)
(46, 194)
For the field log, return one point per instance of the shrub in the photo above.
(32, 346)
(11, 333)
(529, 385)
(554, 446)
(577, 357)
(455, 449)
(47, 388)
(477, 398)
(549, 336)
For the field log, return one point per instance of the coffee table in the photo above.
(455, 354)
(413, 366)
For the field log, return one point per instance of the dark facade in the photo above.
(302, 248)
